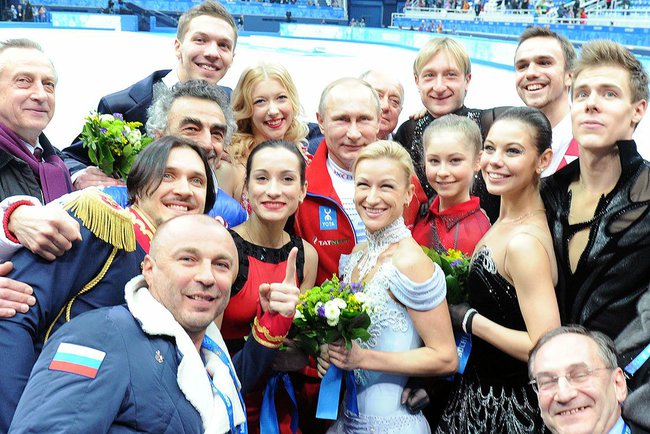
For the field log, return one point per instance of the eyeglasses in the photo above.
(549, 383)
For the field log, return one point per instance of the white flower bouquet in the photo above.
(331, 312)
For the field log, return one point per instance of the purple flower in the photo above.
(355, 287)
(321, 310)
(456, 263)
(103, 130)
(118, 116)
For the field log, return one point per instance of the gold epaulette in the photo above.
(104, 218)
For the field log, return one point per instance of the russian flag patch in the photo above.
(77, 359)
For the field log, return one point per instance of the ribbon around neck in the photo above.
(330, 391)
(268, 413)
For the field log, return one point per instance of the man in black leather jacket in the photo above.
(443, 71)
(598, 207)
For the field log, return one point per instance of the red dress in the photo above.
(459, 227)
(257, 265)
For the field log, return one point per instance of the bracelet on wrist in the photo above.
(467, 320)
(5, 220)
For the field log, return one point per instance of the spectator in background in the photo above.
(42, 14)
(391, 100)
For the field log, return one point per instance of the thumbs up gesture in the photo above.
(282, 297)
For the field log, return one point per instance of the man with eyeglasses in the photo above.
(578, 383)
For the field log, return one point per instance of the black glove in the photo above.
(461, 317)
(415, 399)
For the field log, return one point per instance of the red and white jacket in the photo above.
(322, 222)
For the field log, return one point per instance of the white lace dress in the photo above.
(392, 330)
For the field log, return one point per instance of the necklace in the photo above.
(274, 245)
(523, 216)
(378, 242)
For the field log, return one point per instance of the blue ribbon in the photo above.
(268, 413)
(213, 347)
(351, 402)
(330, 391)
(638, 361)
(463, 348)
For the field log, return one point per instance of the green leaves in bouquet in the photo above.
(112, 143)
(455, 265)
(329, 313)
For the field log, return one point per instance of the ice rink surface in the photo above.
(93, 63)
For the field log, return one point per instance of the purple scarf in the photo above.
(52, 173)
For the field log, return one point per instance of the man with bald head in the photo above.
(391, 100)
(144, 364)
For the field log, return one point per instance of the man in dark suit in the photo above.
(29, 164)
(204, 46)
(31, 169)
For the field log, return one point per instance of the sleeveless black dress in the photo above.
(493, 396)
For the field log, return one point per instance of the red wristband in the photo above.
(270, 329)
(5, 221)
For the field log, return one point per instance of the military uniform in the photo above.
(91, 274)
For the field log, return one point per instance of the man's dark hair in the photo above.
(149, 168)
(543, 32)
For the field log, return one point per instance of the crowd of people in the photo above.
(25, 12)
(163, 303)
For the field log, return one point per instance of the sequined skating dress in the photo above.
(379, 393)
(493, 396)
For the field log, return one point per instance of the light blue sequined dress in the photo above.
(379, 393)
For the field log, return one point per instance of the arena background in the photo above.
(96, 53)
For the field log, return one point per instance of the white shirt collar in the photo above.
(171, 78)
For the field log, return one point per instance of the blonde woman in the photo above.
(267, 107)
(410, 329)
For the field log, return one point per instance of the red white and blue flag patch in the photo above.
(77, 359)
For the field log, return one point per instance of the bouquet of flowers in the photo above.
(455, 265)
(330, 312)
(112, 143)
